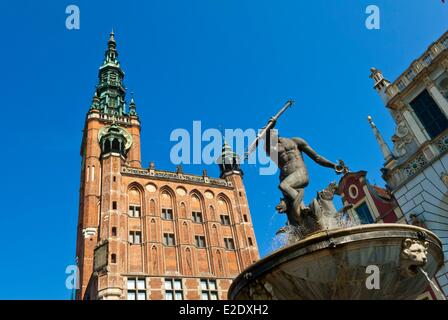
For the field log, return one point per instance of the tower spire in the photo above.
(387, 154)
(110, 90)
(111, 53)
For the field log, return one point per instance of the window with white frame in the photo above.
(200, 241)
(229, 243)
(168, 239)
(209, 289)
(167, 214)
(225, 220)
(174, 289)
(135, 237)
(134, 211)
(197, 216)
(136, 289)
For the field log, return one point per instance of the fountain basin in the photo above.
(334, 264)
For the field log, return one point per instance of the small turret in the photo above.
(132, 107)
(378, 78)
(113, 140)
(229, 162)
(95, 102)
(380, 83)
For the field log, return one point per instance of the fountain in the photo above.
(327, 257)
(334, 264)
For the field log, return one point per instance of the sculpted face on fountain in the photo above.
(413, 256)
(332, 264)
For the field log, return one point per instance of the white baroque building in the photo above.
(416, 169)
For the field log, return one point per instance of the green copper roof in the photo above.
(110, 92)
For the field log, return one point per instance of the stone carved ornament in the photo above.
(413, 256)
(401, 138)
(443, 87)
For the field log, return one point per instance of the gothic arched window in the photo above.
(116, 145)
(106, 146)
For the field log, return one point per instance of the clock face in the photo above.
(124, 132)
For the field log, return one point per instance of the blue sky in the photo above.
(227, 63)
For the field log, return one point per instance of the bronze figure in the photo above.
(287, 153)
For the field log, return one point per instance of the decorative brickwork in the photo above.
(147, 233)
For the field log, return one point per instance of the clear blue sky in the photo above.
(231, 63)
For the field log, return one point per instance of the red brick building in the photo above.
(371, 203)
(145, 233)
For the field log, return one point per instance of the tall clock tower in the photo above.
(145, 233)
(111, 137)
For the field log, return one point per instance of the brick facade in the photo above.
(151, 234)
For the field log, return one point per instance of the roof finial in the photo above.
(108, 84)
(111, 52)
(112, 44)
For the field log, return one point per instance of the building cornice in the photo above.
(434, 56)
(177, 177)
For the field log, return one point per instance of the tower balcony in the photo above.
(109, 118)
(111, 84)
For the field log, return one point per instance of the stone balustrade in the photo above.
(419, 65)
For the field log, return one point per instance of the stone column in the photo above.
(419, 133)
